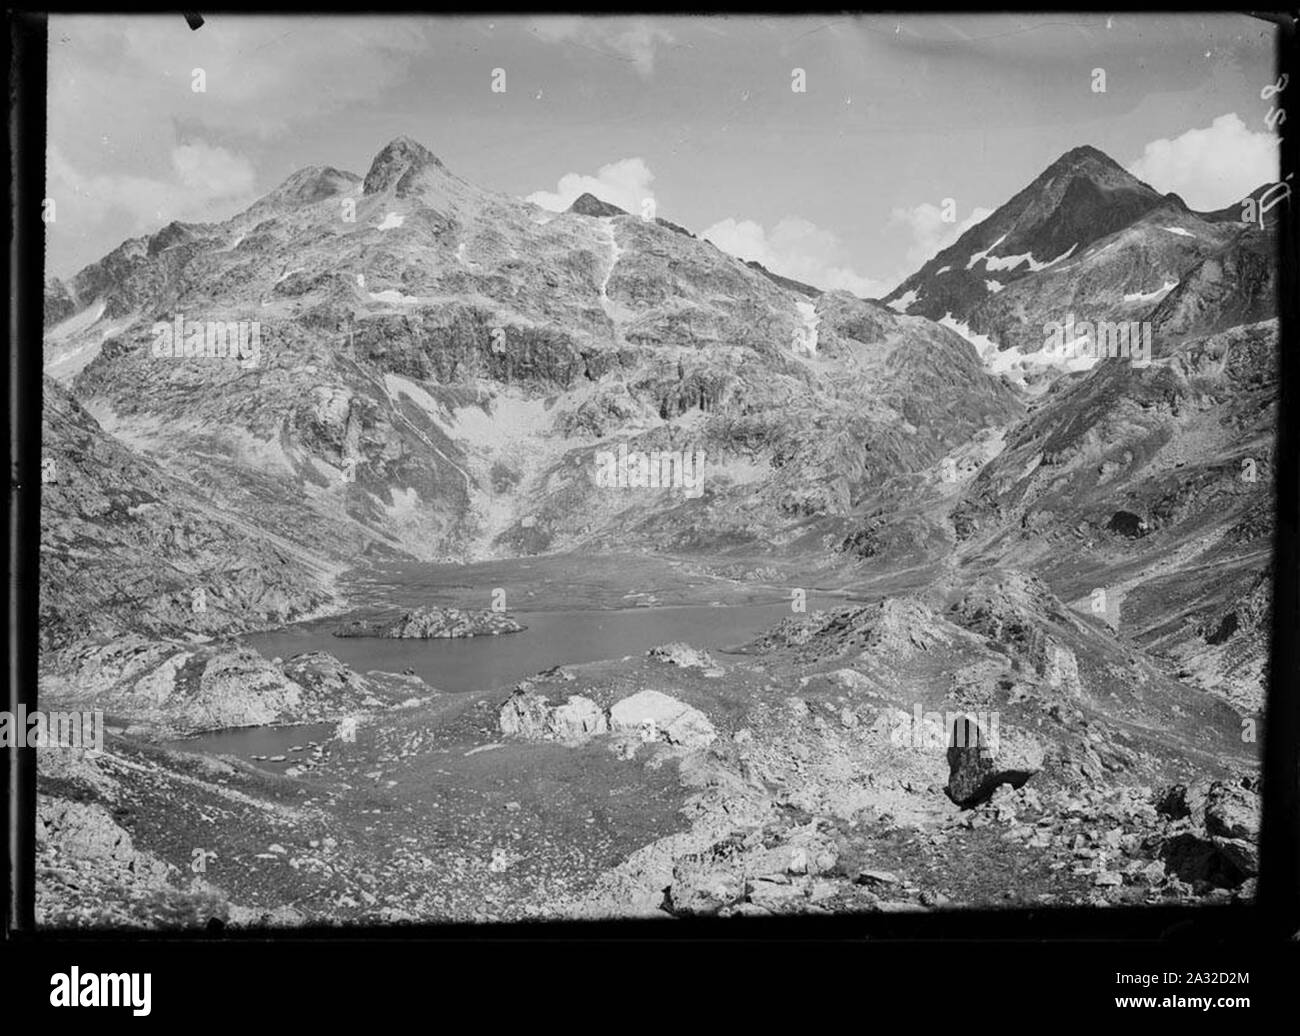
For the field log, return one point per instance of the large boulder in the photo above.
(530, 715)
(1215, 831)
(1231, 811)
(525, 715)
(578, 719)
(664, 717)
(1056, 664)
(1221, 862)
(682, 655)
(704, 883)
(977, 770)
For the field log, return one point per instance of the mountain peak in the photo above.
(1081, 197)
(1089, 161)
(396, 166)
(1085, 152)
(309, 184)
(589, 205)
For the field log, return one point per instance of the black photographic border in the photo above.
(1270, 922)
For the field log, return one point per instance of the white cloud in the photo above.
(929, 233)
(795, 248)
(625, 183)
(630, 39)
(207, 182)
(1210, 168)
(212, 172)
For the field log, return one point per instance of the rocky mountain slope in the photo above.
(439, 365)
(1081, 548)
(128, 548)
(1084, 239)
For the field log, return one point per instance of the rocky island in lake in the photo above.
(430, 623)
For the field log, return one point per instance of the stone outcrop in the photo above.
(531, 716)
(685, 656)
(662, 718)
(436, 623)
(1215, 835)
(650, 715)
(976, 771)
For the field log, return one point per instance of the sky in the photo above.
(842, 184)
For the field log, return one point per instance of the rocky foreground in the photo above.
(782, 779)
(433, 623)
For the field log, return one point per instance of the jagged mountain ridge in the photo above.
(1081, 197)
(465, 353)
(1084, 239)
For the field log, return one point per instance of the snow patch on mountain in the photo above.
(901, 303)
(994, 286)
(399, 386)
(405, 503)
(1010, 262)
(1073, 363)
(1179, 231)
(984, 345)
(392, 295)
(1152, 296)
(612, 309)
(1011, 361)
(467, 263)
(980, 255)
(808, 330)
(501, 422)
(74, 342)
(78, 322)
(391, 221)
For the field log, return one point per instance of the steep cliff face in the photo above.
(126, 547)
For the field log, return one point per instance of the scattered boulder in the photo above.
(530, 715)
(577, 719)
(1231, 811)
(682, 655)
(674, 721)
(1127, 524)
(1056, 664)
(977, 770)
(1215, 832)
(703, 884)
(1220, 862)
(87, 831)
(853, 681)
(1174, 802)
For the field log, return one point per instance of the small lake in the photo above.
(261, 744)
(624, 622)
(552, 638)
